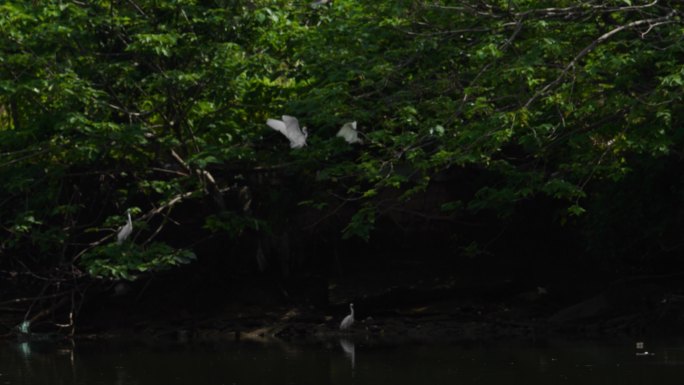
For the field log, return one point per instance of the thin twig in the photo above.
(38, 298)
(590, 48)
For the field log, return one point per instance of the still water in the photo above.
(338, 362)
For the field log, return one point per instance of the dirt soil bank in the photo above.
(407, 306)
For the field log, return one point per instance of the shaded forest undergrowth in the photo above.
(518, 168)
(399, 294)
(421, 276)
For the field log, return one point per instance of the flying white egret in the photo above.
(349, 133)
(289, 127)
(319, 3)
(348, 321)
(125, 231)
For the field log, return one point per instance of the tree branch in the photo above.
(591, 47)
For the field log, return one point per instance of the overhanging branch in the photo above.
(584, 52)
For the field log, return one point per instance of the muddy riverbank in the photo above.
(421, 303)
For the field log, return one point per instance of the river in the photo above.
(339, 362)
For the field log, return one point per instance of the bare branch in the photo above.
(584, 8)
(450, 32)
(137, 7)
(565, 12)
(32, 299)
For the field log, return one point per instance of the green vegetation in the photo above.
(160, 105)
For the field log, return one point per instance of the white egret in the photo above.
(24, 327)
(125, 231)
(289, 127)
(349, 134)
(348, 321)
(319, 3)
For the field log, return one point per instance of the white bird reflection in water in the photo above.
(25, 349)
(349, 351)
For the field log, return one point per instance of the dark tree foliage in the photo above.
(107, 106)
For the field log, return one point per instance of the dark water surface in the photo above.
(339, 362)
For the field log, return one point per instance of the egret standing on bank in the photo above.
(289, 127)
(125, 231)
(348, 321)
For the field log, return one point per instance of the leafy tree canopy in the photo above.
(142, 104)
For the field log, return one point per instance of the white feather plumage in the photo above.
(289, 127)
(125, 231)
(349, 134)
(348, 321)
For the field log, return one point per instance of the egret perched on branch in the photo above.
(348, 133)
(125, 231)
(289, 127)
(348, 321)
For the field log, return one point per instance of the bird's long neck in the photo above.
(352, 310)
(129, 219)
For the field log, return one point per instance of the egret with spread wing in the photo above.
(349, 134)
(289, 127)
